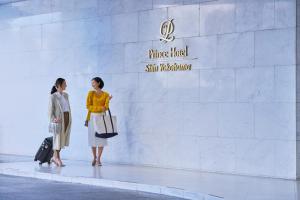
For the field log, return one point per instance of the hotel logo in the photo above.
(162, 57)
(166, 31)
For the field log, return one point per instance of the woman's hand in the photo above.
(57, 120)
(110, 97)
(86, 123)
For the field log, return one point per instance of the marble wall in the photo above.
(234, 112)
(297, 90)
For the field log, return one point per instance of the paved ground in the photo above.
(19, 188)
(14, 158)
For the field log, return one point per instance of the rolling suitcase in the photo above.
(45, 151)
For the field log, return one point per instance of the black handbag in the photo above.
(109, 124)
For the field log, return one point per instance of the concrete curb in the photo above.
(157, 189)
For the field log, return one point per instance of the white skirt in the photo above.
(93, 140)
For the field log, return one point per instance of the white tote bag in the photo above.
(55, 128)
(105, 126)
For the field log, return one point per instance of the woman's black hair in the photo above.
(58, 83)
(100, 81)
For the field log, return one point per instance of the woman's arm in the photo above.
(106, 105)
(88, 104)
(51, 109)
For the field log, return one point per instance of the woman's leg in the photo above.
(58, 154)
(94, 155)
(100, 150)
(56, 157)
(54, 154)
(66, 124)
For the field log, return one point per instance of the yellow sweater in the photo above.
(95, 103)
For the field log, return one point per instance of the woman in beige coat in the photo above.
(60, 112)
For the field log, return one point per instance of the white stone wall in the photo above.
(297, 90)
(235, 112)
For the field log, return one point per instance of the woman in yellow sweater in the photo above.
(97, 103)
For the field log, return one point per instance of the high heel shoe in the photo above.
(61, 164)
(94, 162)
(54, 160)
(99, 162)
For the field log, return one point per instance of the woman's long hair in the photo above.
(58, 83)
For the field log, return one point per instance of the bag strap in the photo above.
(104, 124)
(112, 124)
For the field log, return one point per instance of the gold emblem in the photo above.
(166, 30)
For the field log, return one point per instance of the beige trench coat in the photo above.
(55, 111)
